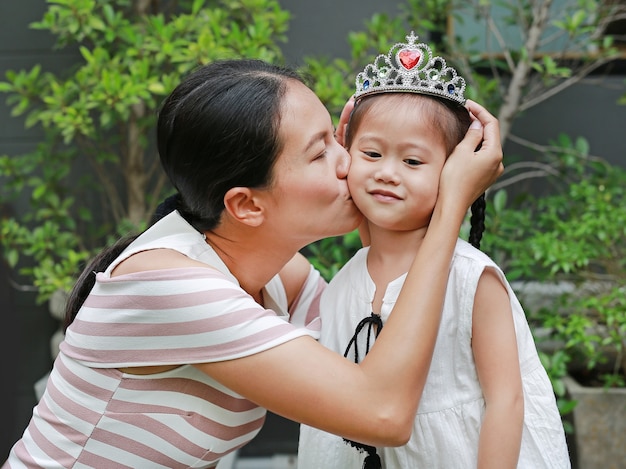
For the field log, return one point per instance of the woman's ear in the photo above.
(242, 205)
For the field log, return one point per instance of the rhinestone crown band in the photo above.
(410, 68)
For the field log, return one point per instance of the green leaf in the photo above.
(12, 256)
(156, 88)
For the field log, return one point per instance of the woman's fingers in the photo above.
(476, 162)
(491, 127)
(340, 133)
(490, 146)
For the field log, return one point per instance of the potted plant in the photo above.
(591, 326)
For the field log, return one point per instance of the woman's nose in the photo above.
(343, 164)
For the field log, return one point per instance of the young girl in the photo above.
(487, 401)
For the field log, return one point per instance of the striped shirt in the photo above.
(94, 415)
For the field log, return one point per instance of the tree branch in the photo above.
(549, 148)
(549, 92)
(501, 184)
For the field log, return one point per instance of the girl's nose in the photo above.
(386, 172)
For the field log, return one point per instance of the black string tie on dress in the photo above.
(373, 321)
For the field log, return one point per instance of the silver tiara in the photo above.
(410, 68)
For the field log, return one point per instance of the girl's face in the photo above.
(309, 195)
(397, 158)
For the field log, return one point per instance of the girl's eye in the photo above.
(412, 162)
(372, 154)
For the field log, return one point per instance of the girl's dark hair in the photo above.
(477, 221)
(217, 130)
(446, 115)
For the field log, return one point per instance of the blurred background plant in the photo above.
(96, 174)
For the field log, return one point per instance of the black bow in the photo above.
(371, 321)
(372, 460)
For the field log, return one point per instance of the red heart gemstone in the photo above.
(409, 58)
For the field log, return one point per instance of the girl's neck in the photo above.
(395, 247)
(390, 255)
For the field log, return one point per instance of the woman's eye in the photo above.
(320, 155)
(372, 154)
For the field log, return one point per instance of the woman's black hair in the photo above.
(456, 122)
(87, 278)
(217, 130)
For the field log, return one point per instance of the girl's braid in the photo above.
(477, 221)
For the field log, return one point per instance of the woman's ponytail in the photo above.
(87, 278)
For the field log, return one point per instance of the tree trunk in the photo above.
(523, 69)
(134, 172)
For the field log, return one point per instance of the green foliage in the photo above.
(101, 115)
(556, 367)
(594, 335)
(589, 244)
(577, 234)
(576, 226)
(580, 232)
(330, 254)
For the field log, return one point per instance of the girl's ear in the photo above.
(243, 206)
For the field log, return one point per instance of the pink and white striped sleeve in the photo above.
(177, 316)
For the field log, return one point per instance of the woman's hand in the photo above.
(340, 133)
(469, 171)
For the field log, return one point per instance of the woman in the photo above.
(179, 347)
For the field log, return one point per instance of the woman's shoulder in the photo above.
(156, 259)
(169, 244)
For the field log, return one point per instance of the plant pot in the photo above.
(599, 425)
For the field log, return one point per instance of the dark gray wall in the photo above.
(317, 28)
(589, 110)
(27, 327)
(321, 27)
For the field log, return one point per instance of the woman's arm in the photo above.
(497, 364)
(294, 275)
(375, 402)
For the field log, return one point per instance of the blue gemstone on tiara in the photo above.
(411, 67)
